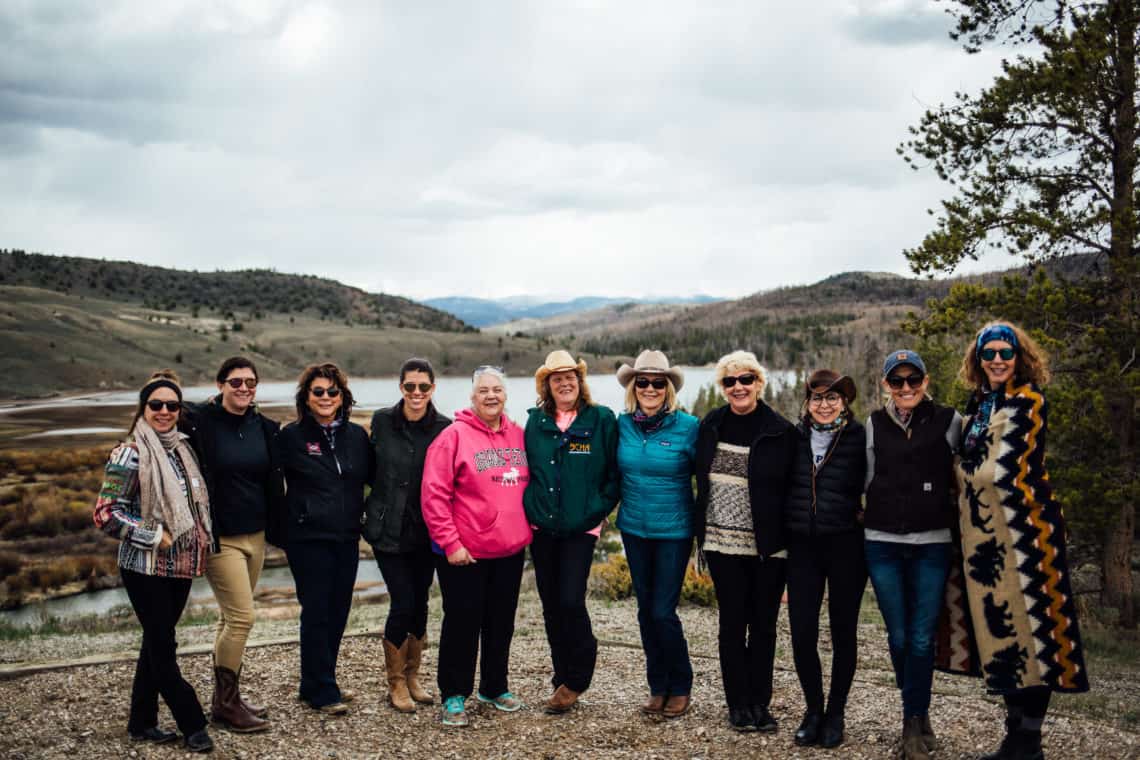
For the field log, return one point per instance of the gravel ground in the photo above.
(82, 711)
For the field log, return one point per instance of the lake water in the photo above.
(69, 421)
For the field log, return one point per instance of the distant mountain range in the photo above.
(483, 312)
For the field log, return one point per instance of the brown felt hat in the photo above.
(829, 380)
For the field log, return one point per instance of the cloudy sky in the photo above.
(490, 148)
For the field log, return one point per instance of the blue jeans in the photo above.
(909, 581)
(324, 573)
(657, 567)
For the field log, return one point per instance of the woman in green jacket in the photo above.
(571, 444)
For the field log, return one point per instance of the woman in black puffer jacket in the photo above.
(825, 547)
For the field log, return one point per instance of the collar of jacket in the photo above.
(399, 421)
(312, 427)
(585, 418)
(214, 404)
(770, 422)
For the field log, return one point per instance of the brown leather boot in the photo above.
(260, 711)
(913, 747)
(412, 670)
(395, 661)
(226, 708)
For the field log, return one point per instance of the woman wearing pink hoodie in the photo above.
(472, 499)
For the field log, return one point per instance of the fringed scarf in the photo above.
(161, 497)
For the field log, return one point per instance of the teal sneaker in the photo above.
(506, 702)
(453, 713)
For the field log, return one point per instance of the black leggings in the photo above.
(837, 563)
(408, 576)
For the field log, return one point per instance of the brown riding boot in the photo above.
(913, 747)
(227, 710)
(412, 670)
(260, 711)
(395, 661)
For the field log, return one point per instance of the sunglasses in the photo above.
(897, 381)
(318, 392)
(988, 354)
(411, 387)
(237, 382)
(658, 383)
(729, 381)
(156, 406)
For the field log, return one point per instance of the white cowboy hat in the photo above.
(650, 362)
(557, 361)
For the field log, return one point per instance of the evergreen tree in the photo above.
(1043, 164)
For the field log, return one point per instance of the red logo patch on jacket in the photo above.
(314, 449)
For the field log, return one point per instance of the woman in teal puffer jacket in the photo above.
(656, 452)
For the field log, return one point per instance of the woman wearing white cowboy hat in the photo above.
(656, 451)
(571, 444)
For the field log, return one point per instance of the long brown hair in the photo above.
(160, 379)
(1032, 361)
(328, 371)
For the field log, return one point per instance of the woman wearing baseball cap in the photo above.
(909, 512)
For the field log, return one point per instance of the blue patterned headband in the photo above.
(997, 332)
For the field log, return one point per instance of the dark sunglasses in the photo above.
(728, 382)
(156, 406)
(237, 382)
(988, 354)
(897, 381)
(318, 392)
(658, 383)
(411, 387)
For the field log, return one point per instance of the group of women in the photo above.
(950, 517)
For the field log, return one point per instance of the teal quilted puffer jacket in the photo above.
(656, 477)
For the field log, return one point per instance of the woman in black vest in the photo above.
(910, 508)
(825, 548)
(394, 526)
(327, 461)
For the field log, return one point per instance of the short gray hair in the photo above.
(488, 369)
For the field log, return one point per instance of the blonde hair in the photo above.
(1032, 360)
(631, 394)
(741, 360)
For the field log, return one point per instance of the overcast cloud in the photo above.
(494, 148)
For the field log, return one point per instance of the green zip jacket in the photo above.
(574, 480)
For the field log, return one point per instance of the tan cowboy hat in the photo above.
(650, 362)
(557, 361)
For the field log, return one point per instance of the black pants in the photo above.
(479, 603)
(837, 563)
(408, 578)
(1028, 707)
(158, 603)
(748, 592)
(324, 573)
(561, 569)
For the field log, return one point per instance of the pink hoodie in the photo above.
(472, 493)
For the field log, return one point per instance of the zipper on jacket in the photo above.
(815, 470)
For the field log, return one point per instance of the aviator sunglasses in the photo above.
(658, 383)
(730, 381)
(237, 382)
(897, 381)
(411, 387)
(988, 354)
(156, 406)
(318, 392)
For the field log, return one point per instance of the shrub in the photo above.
(10, 564)
(611, 579)
(697, 588)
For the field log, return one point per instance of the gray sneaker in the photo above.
(506, 702)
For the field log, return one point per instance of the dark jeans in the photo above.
(479, 603)
(748, 593)
(158, 603)
(657, 567)
(837, 563)
(324, 573)
(408, 577)
(909, 581)
(561, 569)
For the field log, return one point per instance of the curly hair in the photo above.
(1032, 362)
(545, 401)
(328, 371)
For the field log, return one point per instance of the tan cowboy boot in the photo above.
(412, 670)
(395, 662)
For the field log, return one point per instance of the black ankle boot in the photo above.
(831, 732)
(808, 732)
(199, 741)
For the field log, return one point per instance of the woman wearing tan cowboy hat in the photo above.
(571, 444)
(656, 451)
